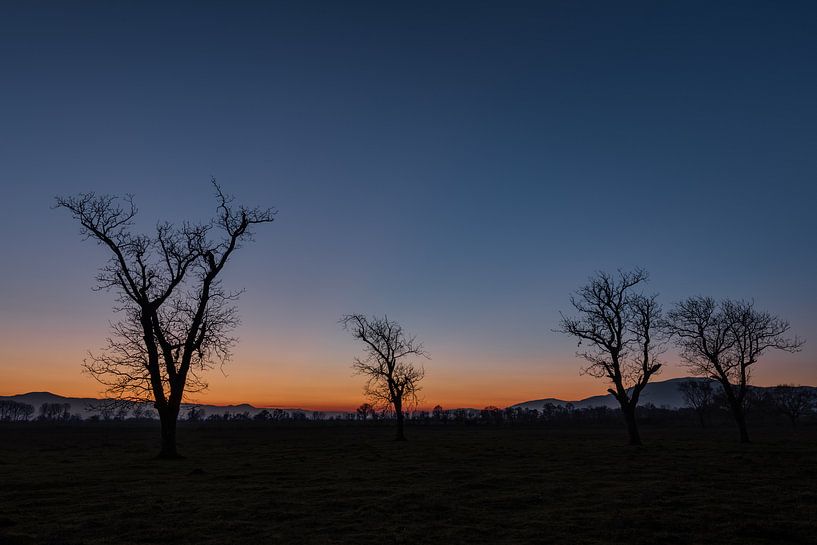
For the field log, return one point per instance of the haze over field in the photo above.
(500, 154)
(662, 394)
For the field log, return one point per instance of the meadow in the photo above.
(98, 483)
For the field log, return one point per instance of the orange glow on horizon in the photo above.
(296, 385)
(322, 380)
(329, 399)
(340, 397)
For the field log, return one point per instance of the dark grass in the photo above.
(94, 484)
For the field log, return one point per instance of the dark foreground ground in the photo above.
(93, 484)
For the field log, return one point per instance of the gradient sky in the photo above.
(460, 166)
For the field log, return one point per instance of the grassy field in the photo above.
(94, 484)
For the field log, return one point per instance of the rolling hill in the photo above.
(661, 394)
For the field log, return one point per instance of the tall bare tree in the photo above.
(619, 327)
(177, 318)
(723, 340)
(392, 378)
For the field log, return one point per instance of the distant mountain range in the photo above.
(661, 394)
(85, 406)
(664, 393)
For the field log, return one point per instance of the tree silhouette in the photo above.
(103, 410)
(723, 341)
(491, 414)
(177, 317)
(55, 411)
(699, 396)
(14, 411)
(364, 411)
(393, 380)
(195, 413)
(792, 401)
(619, 326)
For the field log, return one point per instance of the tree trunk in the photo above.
(740, 419)
(632, 427)
(736, 404)
(398, 411)
(168, 417)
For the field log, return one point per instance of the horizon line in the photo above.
(351, 408)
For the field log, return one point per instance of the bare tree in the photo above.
(793, 401)
(439, 414)
(102, 409)
(619, 326)
(723, 341)
(392, 378)
(491, 414)
(364, 411)
(176, 316)
(14, 411)
(55, 411)
(142, 411)
(195, 413)
(699, 396)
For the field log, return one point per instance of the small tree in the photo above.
(13, 411)
(723, 341)
(699, 396)
(55, 411)
(364, 411)
(177, 318)
(195, 413)
(392, 378)
(103, 409)
(619, 326)
(122, 411)
(792, 401)
(491, 415)
(262, 416)
(439, 414)
(140, 411)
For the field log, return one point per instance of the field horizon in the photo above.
(660, 393)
